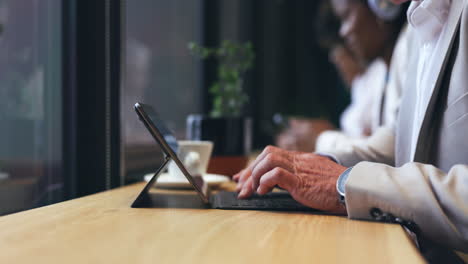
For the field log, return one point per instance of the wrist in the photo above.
(340, 205)
(341, 185)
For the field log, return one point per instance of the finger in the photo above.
(237, 175)
(270, 162)
(243, 178)
(245, 175)
(276, 177)
(247, 190)
(239, 186)
(248, 171)
(265, 152)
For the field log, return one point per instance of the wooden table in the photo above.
(102, 228)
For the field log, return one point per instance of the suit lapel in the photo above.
(447, 38)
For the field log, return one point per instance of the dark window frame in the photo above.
(92, 53)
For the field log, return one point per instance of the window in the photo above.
(159, 71)
(30, 104)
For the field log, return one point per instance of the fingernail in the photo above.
(241, 194)
(259, 190)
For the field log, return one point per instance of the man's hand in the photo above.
(309, 178)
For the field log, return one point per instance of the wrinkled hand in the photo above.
(309, 178)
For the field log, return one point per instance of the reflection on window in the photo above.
(30, 104)
(159, 71)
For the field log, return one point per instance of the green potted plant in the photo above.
(226, 125)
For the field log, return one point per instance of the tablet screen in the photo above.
(168, 143)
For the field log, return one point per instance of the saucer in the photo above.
(166, 181)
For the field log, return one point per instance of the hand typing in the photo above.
(309, 178)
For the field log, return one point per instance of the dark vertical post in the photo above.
(92, 78)
(211, 27)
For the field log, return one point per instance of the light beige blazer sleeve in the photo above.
(436, 201)
(380, 147)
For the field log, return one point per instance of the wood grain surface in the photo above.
(102, 228)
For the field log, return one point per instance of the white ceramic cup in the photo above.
(195, 155)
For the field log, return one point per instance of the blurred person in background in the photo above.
(361, 49)
(300, 133)
(376, 94)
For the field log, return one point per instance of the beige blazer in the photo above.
(431, 188)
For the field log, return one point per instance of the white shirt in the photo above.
(397, 75)
(428, 19)
(358, 119)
